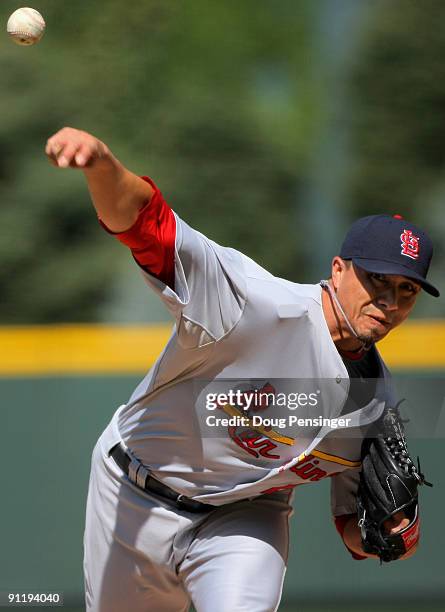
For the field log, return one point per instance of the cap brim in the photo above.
(385, 267)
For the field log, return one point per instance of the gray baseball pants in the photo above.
(143, 554)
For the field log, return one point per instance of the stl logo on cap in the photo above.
(410, 244)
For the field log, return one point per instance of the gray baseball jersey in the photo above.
(234, 321)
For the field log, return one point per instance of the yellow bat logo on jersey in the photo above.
(265, 431)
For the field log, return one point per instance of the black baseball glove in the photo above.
(388, 485)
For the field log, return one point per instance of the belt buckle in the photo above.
(181, 501)
(190, 505)
(187, 504)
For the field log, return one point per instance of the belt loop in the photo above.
(141, 476)
(133, 469)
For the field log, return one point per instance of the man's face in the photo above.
(374, 303)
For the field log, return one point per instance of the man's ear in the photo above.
(338, 267)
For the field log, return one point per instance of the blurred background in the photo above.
(269, 127)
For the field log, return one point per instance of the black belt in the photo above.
(140, 476)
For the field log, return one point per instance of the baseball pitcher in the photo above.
(264, 385)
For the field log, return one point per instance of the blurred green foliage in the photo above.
(397, 120)
(222, 104)
(179, 92)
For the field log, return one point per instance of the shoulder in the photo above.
(283, 299)
(309, 294)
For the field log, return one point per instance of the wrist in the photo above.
(352, 537)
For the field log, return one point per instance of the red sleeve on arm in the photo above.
(152, 238)
(340, 524)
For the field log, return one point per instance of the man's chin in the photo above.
(372, 330)
(371, 336)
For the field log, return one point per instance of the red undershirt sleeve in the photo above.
(151, 238)
(340, 524)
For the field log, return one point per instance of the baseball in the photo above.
(26, 26)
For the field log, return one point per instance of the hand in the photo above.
(396, 523)
(117, 194)
(353, 540)
(74, 148)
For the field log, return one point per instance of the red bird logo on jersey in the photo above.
(410, 244)
(250, 440)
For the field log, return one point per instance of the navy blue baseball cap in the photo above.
(390, 245)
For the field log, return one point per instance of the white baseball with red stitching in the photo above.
(26, 26)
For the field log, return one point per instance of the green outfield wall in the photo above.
(50, 427)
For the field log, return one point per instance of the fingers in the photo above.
(396, 523)
(400, 526)
(67, 154)
(82, 156)
(72, 148)
(52, 150)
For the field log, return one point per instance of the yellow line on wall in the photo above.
(80, 349)
(132, 349)
(415, 344)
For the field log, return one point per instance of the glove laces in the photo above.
(395, 441)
